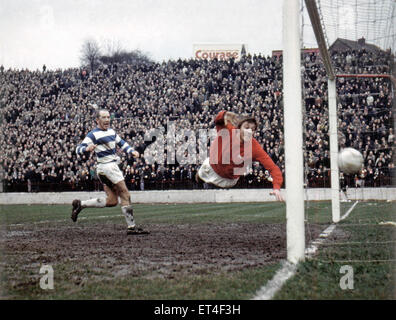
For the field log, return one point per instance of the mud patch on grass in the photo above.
(104, 251)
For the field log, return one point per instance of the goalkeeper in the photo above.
(232, 150)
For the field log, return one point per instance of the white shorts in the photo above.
(109, 173)
(207, 174)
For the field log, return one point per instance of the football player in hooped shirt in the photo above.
(234, 148)
(104, 140)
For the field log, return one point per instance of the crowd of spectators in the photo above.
(46, 113)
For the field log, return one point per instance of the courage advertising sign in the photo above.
(219, 51)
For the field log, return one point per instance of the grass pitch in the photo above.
(205, 251)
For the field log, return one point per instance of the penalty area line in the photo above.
(289, 269)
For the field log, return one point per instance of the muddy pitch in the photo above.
(104, 251)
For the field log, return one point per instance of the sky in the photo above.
(52, 32)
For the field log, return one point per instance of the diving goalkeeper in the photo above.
(233, 149)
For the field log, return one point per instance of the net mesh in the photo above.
(353, 19)
(360, 39)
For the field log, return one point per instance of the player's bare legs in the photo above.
(78, 205)
(121, 191)
(118, 190)
(110, 201)
(112, 198)
(126, 208)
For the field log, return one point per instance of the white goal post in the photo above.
(293, 132)
(293, 125)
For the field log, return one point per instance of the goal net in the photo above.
(346, 64)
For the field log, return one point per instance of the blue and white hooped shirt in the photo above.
(106, 142)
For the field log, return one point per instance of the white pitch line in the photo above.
(289, 269)
(349, 211)
(268, 291)
(63, 220)
(311, 250)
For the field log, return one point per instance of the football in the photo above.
(350, 160)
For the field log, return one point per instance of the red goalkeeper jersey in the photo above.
(222, 156)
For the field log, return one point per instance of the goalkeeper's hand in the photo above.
(277, 194)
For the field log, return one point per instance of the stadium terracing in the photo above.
(47, 113)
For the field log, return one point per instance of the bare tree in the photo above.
(135, 57)
(90, 54)
(112, 47)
